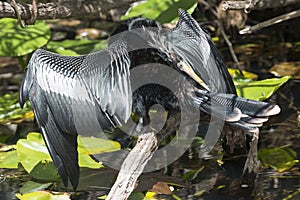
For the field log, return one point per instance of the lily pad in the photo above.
(259, 90)
(30, 153)
(31, 186)
(91, 145)
(17, 41)
(235, 74)
(34, 157)
(45, 171)
(9, 159)
(44, 195)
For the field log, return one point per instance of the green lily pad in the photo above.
(9, 159)
(281, 159)
(44, 195)
(235, 74)
(90, 145)
(17, 41)
(259, 90)
(31, 186)
(162, 11)
(85, 160)
(30, 153)
(45, 171)
(34, 157)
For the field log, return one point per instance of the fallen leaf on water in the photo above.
(161, 188)
(286, 69)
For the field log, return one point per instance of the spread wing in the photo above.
(189, 44)
(72, 95)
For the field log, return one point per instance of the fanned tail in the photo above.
(244, 113)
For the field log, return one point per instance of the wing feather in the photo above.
(73, 95)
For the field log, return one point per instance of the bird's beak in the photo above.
(189, 71)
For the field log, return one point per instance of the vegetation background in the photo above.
(264, 64)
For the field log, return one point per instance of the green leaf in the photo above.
(9, 159)
(31, 186)
(44, 195)
(76, 47)
(35, 158)
(85, 160)
(162, 11)
(45, 171)
(30, 153)
(235, 74)
(17, 41)
(90, 145)
(281, 159)
(259, 90)
(35, 137)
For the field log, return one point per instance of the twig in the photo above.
(62, 9)
(133, 166)
(229, 44)
(248, 5)
(275, 20)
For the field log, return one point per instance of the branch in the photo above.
(63, 8)
(270, 22)
(133, 166)
(248, 5)
(137, 159)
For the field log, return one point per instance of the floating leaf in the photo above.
(161, 188)
(31, 153)
(9, 159)
(44, 195)
(85, 160)
(17, 41)
(162, 11)
(35, 137)
(31, 186)
(260, 90)
(278, 158)
(45, 170)
(235, 74)
(90, 145)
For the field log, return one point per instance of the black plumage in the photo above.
(91, 93)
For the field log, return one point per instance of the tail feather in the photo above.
(247, 106)
(244, 113)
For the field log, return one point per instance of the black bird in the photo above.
(90, 93)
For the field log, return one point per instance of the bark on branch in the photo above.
(63, 8)
(248, 5)
(133, 166)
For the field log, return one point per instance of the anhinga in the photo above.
(71, 95)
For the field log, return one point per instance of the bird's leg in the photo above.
(15, 7)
